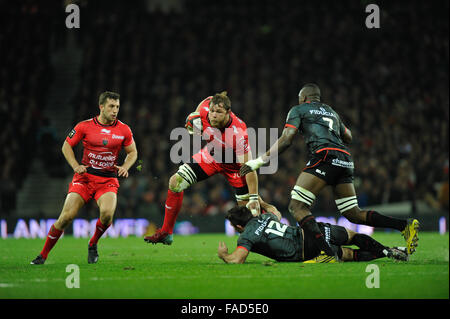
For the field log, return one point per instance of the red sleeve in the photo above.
(204, 107)
(243, 146)
(76, 135)
(128, 140)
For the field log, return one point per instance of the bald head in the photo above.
(309, 92)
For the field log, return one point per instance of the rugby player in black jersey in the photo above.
(330, 163)
(265, 235)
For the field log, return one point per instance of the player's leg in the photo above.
(369, 247)
(302, 197)
(72, 205)
(347, 204)
(107, 203)
(186, 176)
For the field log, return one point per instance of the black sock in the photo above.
(310, 226)
(367, 243)
(362, 255)
(377, 220)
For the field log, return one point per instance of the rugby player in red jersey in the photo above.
(96, 177)
(225, 134)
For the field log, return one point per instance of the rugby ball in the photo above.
(194, 123)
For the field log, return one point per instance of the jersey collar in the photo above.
(96, 121)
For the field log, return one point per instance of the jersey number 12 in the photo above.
(279, 231)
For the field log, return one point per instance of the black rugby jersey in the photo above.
(266, 236)
(320, 125)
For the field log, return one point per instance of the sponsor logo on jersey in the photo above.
(105, 131)
(107, 158)
(118, 137)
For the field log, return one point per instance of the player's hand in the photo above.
(222, 250)
(254, 207)
(194, 123)
(250, 166)
(121, 171)
(80, 169)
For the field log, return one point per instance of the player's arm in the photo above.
(193, 120)
(269, 208)
(283, 142)
(131, 158)
(252, 184)
(236, 257)
(69, 155)
(74, 137)
(346, 135)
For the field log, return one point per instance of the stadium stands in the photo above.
(390, 85)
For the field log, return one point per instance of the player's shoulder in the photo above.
(122, 124)
(205, 102)
(85, 123)
(203, 106)
(268, 216)
(124, 128)
(300, 107)
(237, 121)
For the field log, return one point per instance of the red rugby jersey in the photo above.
(234, 135)
(101, 143)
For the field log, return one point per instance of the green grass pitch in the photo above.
(190, 269)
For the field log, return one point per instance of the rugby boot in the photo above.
(92, 254)
(160, 237)
(398, 253)
(411, 235)
(39, 260)
(322, 259)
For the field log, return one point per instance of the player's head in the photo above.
(239, 217)
(109, 103)
(309, 92)
(219, 110)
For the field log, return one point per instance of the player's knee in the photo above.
(183, 179)
(350, 234)
(106, 217)
(177, 184)
(348, 207)
(301, 200)
(65, 219)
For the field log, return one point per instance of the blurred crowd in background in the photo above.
(389, 85)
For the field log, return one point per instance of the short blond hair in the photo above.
(221, 99)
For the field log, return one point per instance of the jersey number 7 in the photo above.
(279, 231)
(330, 122)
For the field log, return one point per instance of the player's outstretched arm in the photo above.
(283, 142)
(236, 257)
